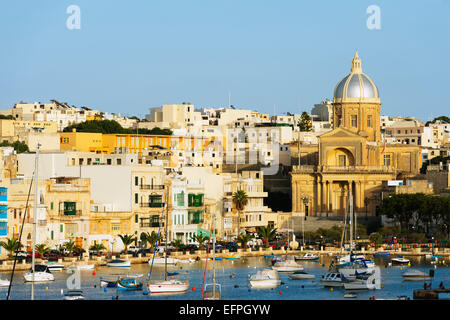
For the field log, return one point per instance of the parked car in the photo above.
(36, 254)
(78, 252)
(53, 257)
(22, 254)
(133, 248)
(231, 246)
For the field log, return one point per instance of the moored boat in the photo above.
(233, 257)
(118, 263)
(53, 266)
(287, 266)
(364, 282)
(4, 283)
(41, 274)
(332, 279)
(74, 295)
(168, 286)
(307, 257)
(415, 275)
(129, 284)
(301, 275)
(399, 260)
(266, 278)
(163, 261)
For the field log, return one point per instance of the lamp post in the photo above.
(366, 202)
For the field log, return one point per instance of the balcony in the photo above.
(151, 187)
(355, 169)
(151, 204)
(70, 213)
(149, 225)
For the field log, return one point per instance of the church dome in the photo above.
(356, 85)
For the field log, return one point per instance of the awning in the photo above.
(203, 232)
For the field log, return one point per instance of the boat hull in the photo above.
(38, 277)
(265, 283)
(301, 276)
(168, 287)
(125, 264)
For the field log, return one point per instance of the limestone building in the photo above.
(351, 158)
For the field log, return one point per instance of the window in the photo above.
(136, 218)
(369, 121)
(108, 161)
(136, 181)
(387, 160)
(342, 160)
(354, 120)
(115, 227)
(136, 200)
(119, 161)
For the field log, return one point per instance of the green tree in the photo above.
(177, 243)
(305, 123)
(376, 238)
(149, 238)
(244, 238)
(267, 233)
(19, 147)
(127, 239)
(240, 200)
(11, 245)
(97, 247)
(200, 238)
(42, 249)
(70, 246)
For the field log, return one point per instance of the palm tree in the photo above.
(177, 243)
(149, 238)
(240, 200)
(70, 246)
(267, 233)
(127, 239)
(200, 238)
(244, 238)
(11, 245)
(42, 249)
(97, 247)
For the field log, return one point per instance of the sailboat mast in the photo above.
(214, 256)
(351, 218)
(167, 236)
(34, 218)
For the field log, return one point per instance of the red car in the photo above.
(53, 257)
(36, 254)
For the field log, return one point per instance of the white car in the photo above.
(133, 248)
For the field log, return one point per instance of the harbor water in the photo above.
(233, 276)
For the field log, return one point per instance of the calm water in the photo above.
(233, 276)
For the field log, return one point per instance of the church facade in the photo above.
(351, 158)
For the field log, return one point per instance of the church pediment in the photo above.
(340, 133)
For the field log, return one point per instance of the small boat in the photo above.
(108, 283)
(53, 266)
(415, 275)
(163, 261)
(42, 273)
(233, 257)
(301, 275)
(169, 286)
(381, 254)
(118, 263)
(217, 259)
(268, 256)
(213, 291)
(287, 266)
(266, 278)
(86, 267)
(350, 295)
(190, 260)
(4, 283)
(74, 295)
(307, 257)
(172, 273)
(331, 279)
(364, 282)
(399, 260)
(129, 284)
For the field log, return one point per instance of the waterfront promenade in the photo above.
(201, 254)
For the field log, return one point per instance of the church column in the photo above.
(319, 196)
(358, 196)
(323, 206)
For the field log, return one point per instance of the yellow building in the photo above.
(11, 128)
(350, 159)
(130, 143)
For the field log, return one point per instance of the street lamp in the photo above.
(366, 202)
(305, 202)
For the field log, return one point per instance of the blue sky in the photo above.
(271, 55)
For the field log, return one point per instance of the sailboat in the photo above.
(167, 285)
(37, 273)
(213, 291)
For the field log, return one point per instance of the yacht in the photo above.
(307, 257)
(415, 275)
(364, 282)
(301, 275)
(4, 283)
(42, 273)
(332, 279)
(287, 266)
(399, 260)
(168, 286)
(53, 266)
(266, 278)
(118, 263)
(163, 261)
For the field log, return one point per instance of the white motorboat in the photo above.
(4, 283)
(74, 295)
(53, 266)
(358, 267)
(266, 278)
(41, 274)
(118, 263)
(307, 257)
(163, 261)
(301, 275)
(332, 279)
(287, 266)
(168, 286)
(415, 275)
(190, 260)
(364, 282)
(86, 267)
(399, 260)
